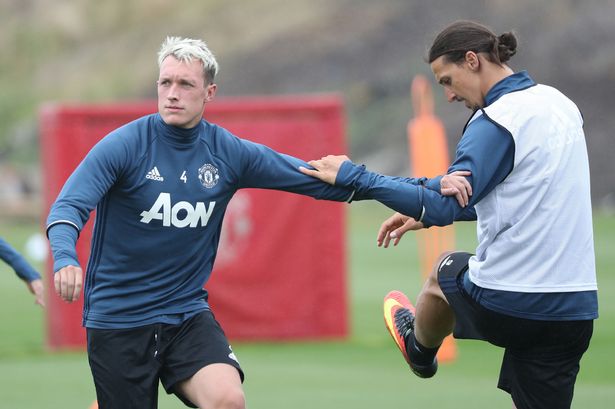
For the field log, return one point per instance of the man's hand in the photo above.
(395, 227)
(36, 287)
(68, 282)
(455, 184)
(325, 168)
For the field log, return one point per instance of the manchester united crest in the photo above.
(208, 175)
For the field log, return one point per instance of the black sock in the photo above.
(419, 354)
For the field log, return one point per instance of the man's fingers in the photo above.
(387, 240)
(467, 187)
(56, 284)
(461, 198)
(397, 234)
(459, 195)
(70, 289)
(448, 191)
(77, 287)
(39, 297)
(383, 234)
(391, 229)
(64, 287)
(396, 241)
(38, 289)
(451, 191)
(458, 185)
(460, 191)
(309, 172)
(68, 283)
(462, 195)
(316, 164)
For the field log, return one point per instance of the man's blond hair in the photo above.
(187, 49)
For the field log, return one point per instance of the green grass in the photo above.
(365, 371)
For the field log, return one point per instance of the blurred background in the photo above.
(74, 51)
(82, 51)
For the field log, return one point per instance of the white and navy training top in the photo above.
(531, 197)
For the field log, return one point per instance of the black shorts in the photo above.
(127, 364)
(541, 358)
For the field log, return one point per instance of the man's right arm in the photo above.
(486, 150)
(88, 183)
(81, 193)
(68, 275)
(62, 240)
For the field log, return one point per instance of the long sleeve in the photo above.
(81, 193)
(87, 185)
(62, 240)
(486, 150)
(22, 268)
(262, 167)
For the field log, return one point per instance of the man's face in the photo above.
(182, 92)
(460, 81)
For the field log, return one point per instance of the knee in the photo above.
(432, 284)
(232, 398)
(436, 268)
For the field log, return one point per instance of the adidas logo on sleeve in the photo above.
(154, 175)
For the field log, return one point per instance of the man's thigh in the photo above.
(124, 367)
(543, 374)
(198, 343)
(213, 386)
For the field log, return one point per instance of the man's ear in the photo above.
(472, 60)
(210, 92)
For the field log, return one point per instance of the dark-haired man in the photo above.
(531, 286)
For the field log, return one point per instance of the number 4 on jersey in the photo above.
(183, 177)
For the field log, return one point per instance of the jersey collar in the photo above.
(515, 82)
(176, 135)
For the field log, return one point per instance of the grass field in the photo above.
(366, 371)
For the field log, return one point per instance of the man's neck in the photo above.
(494, 74)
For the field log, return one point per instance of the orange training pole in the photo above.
(429, 157)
